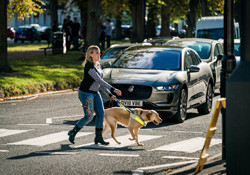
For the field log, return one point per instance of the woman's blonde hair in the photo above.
(90, 50)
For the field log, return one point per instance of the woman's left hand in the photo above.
(118, 92)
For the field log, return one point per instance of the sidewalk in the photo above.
(214, 165)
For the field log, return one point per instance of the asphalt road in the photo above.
(33, 140)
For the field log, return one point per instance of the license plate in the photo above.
(132, 103)
(23, 37)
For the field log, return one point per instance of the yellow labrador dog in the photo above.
(118, 115)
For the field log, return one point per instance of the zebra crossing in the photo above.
(189, 146)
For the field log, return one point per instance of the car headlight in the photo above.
(167, 87)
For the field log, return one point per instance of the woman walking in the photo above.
(90, 97)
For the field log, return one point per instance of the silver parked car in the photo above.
(115, 51)
(210, 51)
(166, 79)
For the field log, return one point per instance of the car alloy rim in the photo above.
(183, 105)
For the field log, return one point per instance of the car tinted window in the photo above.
(237, 49)
(188, 61)
(113, 53)
(202, 48)
(150, 58)
(195, 58)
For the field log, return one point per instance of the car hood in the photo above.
(139, 76)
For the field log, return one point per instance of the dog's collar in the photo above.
(141, 113)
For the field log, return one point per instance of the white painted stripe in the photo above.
(119, 155)
(137, 172)
(7, 132)
(69, 116)
(123, 139)
(48, 139)
(176, 157)
(189, 132)
(171, 165)
(189, 146)
(4, 151)
(33, 124)
(55, 153)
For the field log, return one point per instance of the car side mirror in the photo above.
(219, 57)
(193, 69)
(106, 65)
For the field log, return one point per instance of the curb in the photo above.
(213, 158)
(33, 96)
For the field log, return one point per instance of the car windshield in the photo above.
(113, 53)
(150, 58)
(24, 30)
(236, 49)
(211, 33)
(202, 48)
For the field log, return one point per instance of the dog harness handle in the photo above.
(132, 114)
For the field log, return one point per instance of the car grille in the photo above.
(140, 92)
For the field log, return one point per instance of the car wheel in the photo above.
(207, 106)
(15, 40)
(22, 41)
(181, 114)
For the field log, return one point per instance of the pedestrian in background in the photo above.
(90, 97)
(67, 28)
(102, 36)
(75, 33)
(108, 32)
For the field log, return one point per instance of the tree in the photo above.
(4, 65)
(94, 9)
(153, 9)
(192, 16)
(53, 11)
(165, 18)
(204, 8)
(23, 8)
(138, 20)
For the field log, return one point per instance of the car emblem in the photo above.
(131, 88)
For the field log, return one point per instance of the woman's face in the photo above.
(95, 56)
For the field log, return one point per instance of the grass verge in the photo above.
(36, 74)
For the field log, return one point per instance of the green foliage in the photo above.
(25, 8)
(42, 73)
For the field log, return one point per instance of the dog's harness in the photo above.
(132, 113)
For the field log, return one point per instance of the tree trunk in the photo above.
(93, 23)
(152, 16)
(165, 19)
(4, 64)
(119, 26)
(134, 21)
(191, 17)
(204, 8)
(140, 21)
(53, 12)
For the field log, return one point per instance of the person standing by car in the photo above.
(102, 36)
(67, 28)
(90, 97)
(75, 33)
(108, 32)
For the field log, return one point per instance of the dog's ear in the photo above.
(148, 115)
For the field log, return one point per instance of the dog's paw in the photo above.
(131, 139)
(139, 144)
(118, 143)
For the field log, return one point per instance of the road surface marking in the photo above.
(4, 151)
(176, 157)
(119, 155)
(189, 146)
(33, 124)
(7, 132)
(48, 139)
(113, 145)
(50, 120)
(55, 153)
(139, 171)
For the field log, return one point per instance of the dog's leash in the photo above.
(132, 114)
